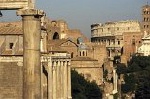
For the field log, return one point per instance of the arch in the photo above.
(55, 36)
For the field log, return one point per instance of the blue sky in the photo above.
(80, 14)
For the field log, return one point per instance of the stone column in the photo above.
(65, 80)
(58, 81)
(31, 53)
(54, 81)
(62, 80)
(42, 79)
(69, 81)
(50, 79)
(115, 79)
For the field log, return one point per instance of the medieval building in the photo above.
(146, 19)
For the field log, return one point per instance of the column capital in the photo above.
(30, 12)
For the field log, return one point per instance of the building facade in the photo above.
(55, 66)
(144, 49)
(113, 35)
(146, 19)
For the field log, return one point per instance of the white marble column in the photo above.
(115, 79)
(50, 79)
(42, 80)
(58, 80)
(69, 80)
(62, 80)
(65, 80)
(54, 80)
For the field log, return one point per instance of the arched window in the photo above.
(55, 36)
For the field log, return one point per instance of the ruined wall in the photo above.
(10, 80)
(98, 52)
(91, 70)
(131, 43)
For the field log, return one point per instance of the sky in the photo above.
(80, 14)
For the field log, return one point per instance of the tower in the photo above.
(146, 19)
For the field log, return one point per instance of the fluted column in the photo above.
(42, 80)
(58, 81)
(62, 80)
(69, 80)
(54, 80)
(65, 80)
(50, 79)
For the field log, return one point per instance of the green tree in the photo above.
(83, 89)
(137, 77)
(129, 85)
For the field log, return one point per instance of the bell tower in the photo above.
(146, 19)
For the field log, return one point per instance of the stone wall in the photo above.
(10, 80)
(131, 43)
(91, 70)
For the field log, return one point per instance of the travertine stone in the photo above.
(31, 58)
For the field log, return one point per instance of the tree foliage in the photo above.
(136, 76)
(83, 89)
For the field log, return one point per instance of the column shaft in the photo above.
(54, 81)
(65, 80)
(31, 58)
(69, 81)
(50, 80)
(62, 80)
(58, 81)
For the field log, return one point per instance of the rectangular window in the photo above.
(11, 45)
(118, 42)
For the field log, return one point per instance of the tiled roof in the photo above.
(10, 30)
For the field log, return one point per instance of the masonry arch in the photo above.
(55, 36)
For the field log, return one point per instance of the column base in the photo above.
(69, 97)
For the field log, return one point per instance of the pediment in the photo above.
(69, 43)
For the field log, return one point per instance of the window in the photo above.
(118, 42)
(139, 41)
(80, 53)
(83, 53)
(128, 28)
(133, 41)
(55, 36)
(147, 26)
(11, 45)
(117, 28)
(72, 55)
